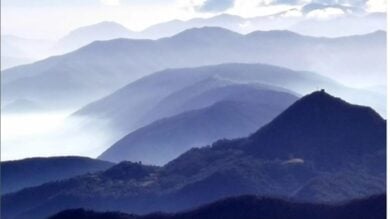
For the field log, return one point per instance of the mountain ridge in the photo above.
(130, 60)
(19, 174)
(255, 208)
(228, 117)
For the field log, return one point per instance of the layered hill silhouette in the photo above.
(354, 18)
(155, 97)
(285, 158)
(19, 174)
(21, 106)
(97, 32)
(144, 98)
(238, 110)
(101, 67)
(215, 88)
(252, 207)
(17, 51)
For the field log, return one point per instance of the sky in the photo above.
(52, 19)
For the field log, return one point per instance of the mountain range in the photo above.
(85, 35)
(222, 116)
(252, 207)
(319, 145)
(304, 20)
(154, 97)
(301, 20)
(96, 70)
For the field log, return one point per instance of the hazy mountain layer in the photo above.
(85, 35)
(98, 69)
(306, 23)
(155, 97)
(16, 51)
(239, 110)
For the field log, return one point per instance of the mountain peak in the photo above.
(127, 170)
(322, 102)
(274, 34)
(209, 32)
(226, 17)
(308, 129)
(321, 97)
(103, 25)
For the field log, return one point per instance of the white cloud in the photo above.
(110, 2)
(325, 13)
(216, 5)
(288, 2)
(292, 13)
(252, 8)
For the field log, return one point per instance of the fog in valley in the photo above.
(47, 134)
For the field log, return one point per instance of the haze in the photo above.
(47, 134)
(67, 29)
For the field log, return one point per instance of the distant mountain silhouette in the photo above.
(358, 21)
(17, 51)
(190, 82)
(9, 61)
(171, 28)
(333, 27)
(252, 207)
(99, 68)
(19, 174)
(88, 34)
(155, 97)
(240, 111)
(286, 158)
(21, 106)
(206, 92)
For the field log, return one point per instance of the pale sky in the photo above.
(53, 19)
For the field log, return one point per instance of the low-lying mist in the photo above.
(48, 134)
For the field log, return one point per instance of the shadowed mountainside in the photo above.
(252, 207)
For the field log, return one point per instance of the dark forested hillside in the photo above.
(252, 207)
(19, 174)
